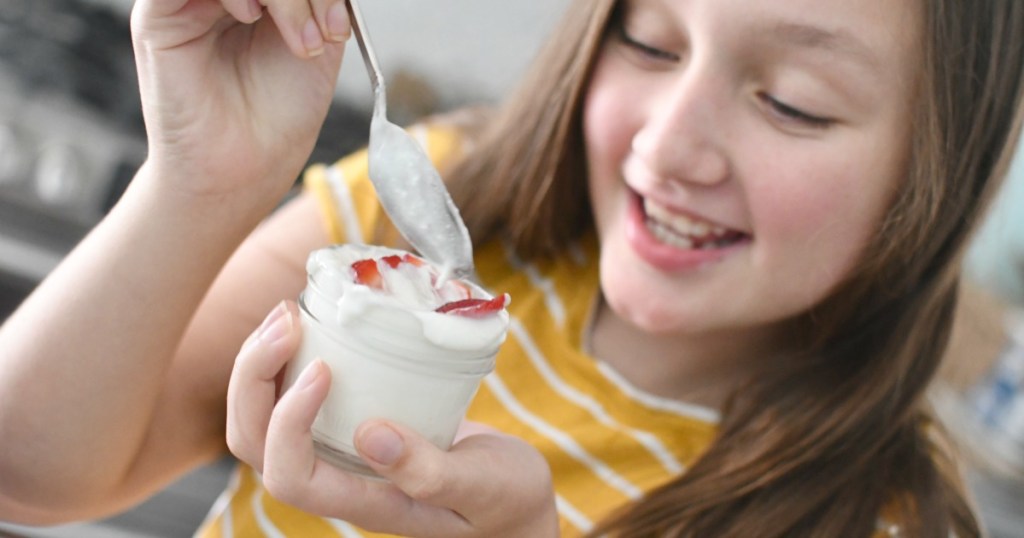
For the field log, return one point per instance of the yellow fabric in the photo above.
(606, 443)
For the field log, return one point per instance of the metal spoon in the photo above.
(408, 186)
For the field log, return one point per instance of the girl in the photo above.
(732, 230)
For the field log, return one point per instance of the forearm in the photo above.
(82, 362)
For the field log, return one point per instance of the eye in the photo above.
(792, 114)
(648, 51)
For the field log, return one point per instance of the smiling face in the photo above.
(742, 153)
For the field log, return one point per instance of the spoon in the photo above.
(409, 187)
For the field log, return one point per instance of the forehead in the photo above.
(877, 42)
(867, 29)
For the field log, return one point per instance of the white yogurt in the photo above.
(391, 354)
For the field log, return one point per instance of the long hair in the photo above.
(820, 444)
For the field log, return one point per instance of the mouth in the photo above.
(687, 232)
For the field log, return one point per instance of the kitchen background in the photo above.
(71, 137)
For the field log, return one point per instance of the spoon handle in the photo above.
(369, 57)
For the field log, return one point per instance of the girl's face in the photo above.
(741, 153)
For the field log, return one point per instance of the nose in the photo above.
(682, 138)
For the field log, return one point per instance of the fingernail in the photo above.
(308, 375)
(381, 444)
(337, 22)
(256, 10)
(277, 324)
(311, 38)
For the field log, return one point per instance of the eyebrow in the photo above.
(814, 37)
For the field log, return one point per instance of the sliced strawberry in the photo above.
(368, 274)
(463, 289)
(409, 258)
(392, 261)
(475, 308)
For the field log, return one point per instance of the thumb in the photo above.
(495, 481)
(408, 460)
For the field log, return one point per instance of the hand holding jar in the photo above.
(374, 398)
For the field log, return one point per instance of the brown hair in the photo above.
(815, 447)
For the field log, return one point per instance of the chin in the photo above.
(645, 308)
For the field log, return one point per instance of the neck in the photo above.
(700, 368)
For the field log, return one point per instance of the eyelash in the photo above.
(790, 113)
(787, 112)
(643, 48)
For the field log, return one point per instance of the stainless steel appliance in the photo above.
(71, 133)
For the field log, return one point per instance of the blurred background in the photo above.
(71, 138)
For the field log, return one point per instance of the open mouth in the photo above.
(686, 232)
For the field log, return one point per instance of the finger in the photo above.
(332, 17)
(252, 389)
(247, 11)
(408, 460)
(468, 428)
(454, 478)
(298, 26)
(289, 445)
(292, 473)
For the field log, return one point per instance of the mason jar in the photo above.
(388, 360)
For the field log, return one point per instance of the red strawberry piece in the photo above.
(368, 274)
(392, 261)
(475, 308)
(409, 258)
(463, 289)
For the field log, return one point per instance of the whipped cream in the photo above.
(410, 293)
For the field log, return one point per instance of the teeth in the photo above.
(681, 224)
(683, 232)
(666, 236)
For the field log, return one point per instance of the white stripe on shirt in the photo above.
(647, 439)
(560, 438)
(545, 285)
(221, 506)
(262, 520)
(346, 208)
(345, 529)
(572, 514)
(684, 409)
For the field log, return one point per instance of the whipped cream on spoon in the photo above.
(409, 187)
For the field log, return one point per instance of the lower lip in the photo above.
(664, 257)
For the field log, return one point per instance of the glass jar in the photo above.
(413, 366)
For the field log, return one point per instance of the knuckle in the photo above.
(243, 449)
(237, 443)
(281, 487)
(430, 483)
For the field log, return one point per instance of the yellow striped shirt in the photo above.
(606, 442)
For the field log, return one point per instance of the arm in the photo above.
(111, 381)
(105, 414)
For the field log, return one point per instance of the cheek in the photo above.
(607, 124)
(818, 223)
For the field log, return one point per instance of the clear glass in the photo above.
(383, 366)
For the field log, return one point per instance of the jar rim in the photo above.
(465, 367)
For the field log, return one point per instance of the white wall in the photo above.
(997, 257)
(473, 49)
(465, 48)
